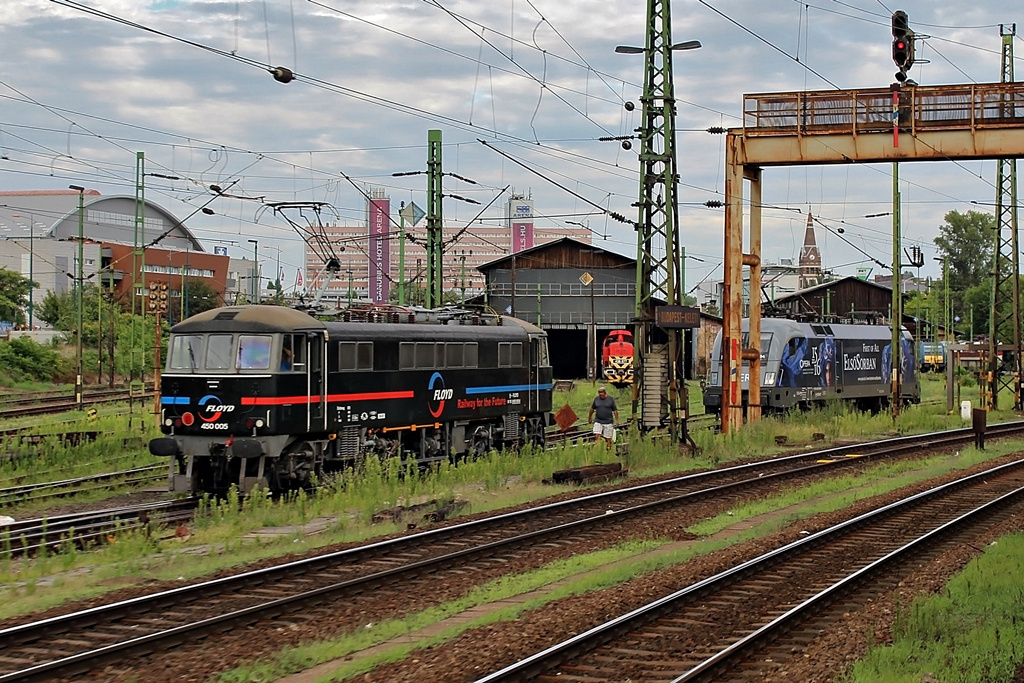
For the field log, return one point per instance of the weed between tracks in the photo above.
(592, 572)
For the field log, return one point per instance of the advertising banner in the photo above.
(380, 250)
(520, 211)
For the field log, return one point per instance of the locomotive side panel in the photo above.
(261, 395)
(807, 363)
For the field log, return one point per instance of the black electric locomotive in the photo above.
(806, 363)
(269, 396)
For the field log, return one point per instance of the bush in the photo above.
(24, 359)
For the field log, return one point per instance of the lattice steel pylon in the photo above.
(658, 354)
(1005, 315)
(435, 220)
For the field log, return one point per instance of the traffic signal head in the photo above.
(903, 52)
(900, 24)
(903, 42)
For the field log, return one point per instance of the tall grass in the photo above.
(115, 448)
(970, 632)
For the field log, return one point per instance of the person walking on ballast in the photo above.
(607, 416)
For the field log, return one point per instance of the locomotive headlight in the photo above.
(714, 378)
(259, 423)
(168, 422)
(769, 379)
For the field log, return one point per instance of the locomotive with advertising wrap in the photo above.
(272, 397)
(803, 364)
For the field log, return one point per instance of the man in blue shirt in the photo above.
(607, 416)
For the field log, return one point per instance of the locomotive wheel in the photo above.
(481, 443)
(534, 435)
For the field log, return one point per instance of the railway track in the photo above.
(85, 529)
(24, 493)
(336, 586)
(59, 403)
(712, 630)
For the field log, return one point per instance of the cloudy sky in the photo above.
(186, 82)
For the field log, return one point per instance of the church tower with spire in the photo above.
(810, 258)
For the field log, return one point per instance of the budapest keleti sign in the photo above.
(676, 317)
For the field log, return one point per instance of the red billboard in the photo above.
(380, 253)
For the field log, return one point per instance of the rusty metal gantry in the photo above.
(935, 123)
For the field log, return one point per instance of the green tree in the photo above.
(199, 296)
(974, 315)
(61, 311)
(14, 289)
(966, 241)
(56, 307)
(23, 359)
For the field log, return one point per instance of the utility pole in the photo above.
(139, 261)
(659, 387)
(255, 279)
(896, 321)
(31, 260)
(401, 254)
(435, 245)
(462, 259)
(79, 281)
(1005, 316)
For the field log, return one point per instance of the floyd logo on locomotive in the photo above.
(213, 404)
(437, 395)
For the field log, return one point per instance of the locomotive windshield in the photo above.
(223, 352)
(186, 350)
(254, 351)
(218, 352)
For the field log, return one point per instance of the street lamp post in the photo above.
(78, 291)
(255, 272)
(277, 280)
(31, 260)
(349, 272)
(946, 310)
(462, 258)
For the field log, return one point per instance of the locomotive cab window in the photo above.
(766, 341)
(254, 351)
(186, 352)
(293, 353)
(540, 352)
(510, 354)
(355, 356)
(218, 351)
